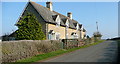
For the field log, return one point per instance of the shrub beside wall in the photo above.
(15, 50)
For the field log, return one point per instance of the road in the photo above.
(103, 52)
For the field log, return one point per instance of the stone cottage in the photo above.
(55, 25)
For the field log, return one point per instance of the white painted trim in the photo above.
(58, 20)
(82, 28)
(67, 23)
(57, 34)
(77, 26)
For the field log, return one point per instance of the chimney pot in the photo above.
(49, 6)
(69, 14)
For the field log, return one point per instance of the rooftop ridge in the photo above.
(55, 12)
(66, 17)
(39, 4)
(61, 14)
(50, 13)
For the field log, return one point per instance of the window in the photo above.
(57, 36)
(51, 35)
(74, 35)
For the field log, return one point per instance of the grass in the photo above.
(54, 53)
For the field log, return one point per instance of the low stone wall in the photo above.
(70, 43)
(15, 50)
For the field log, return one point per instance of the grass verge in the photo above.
(54, 53)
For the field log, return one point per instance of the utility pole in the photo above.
(97, 26)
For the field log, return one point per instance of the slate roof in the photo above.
(84, 30)
(50, 16)
(80, 25)
(54, 17)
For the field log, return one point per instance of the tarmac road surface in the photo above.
(102, 52)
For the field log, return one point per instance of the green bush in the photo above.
(29, 28)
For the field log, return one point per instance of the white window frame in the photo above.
(51, 36)
(82, 28)
(77, 26)
(67, 23)
(57, 20)
(57, 34)
(74, 36)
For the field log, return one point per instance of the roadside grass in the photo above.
(52, 54)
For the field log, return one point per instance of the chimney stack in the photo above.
(49, 6)
(69, 14)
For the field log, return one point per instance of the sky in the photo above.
(62, 0)
(86, 13)
(119, 19)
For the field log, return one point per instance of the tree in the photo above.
(29, 28)
(97, 34)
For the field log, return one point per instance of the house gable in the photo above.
(30, 9)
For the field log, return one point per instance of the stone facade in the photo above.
(57, 29)
(82, 35)
(64, 32)
(54, 25)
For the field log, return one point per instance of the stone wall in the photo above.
(15, 50)
(71, 43)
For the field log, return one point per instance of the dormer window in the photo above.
(57, 20)
(67, 23)
(77, 26)
(82, 28)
